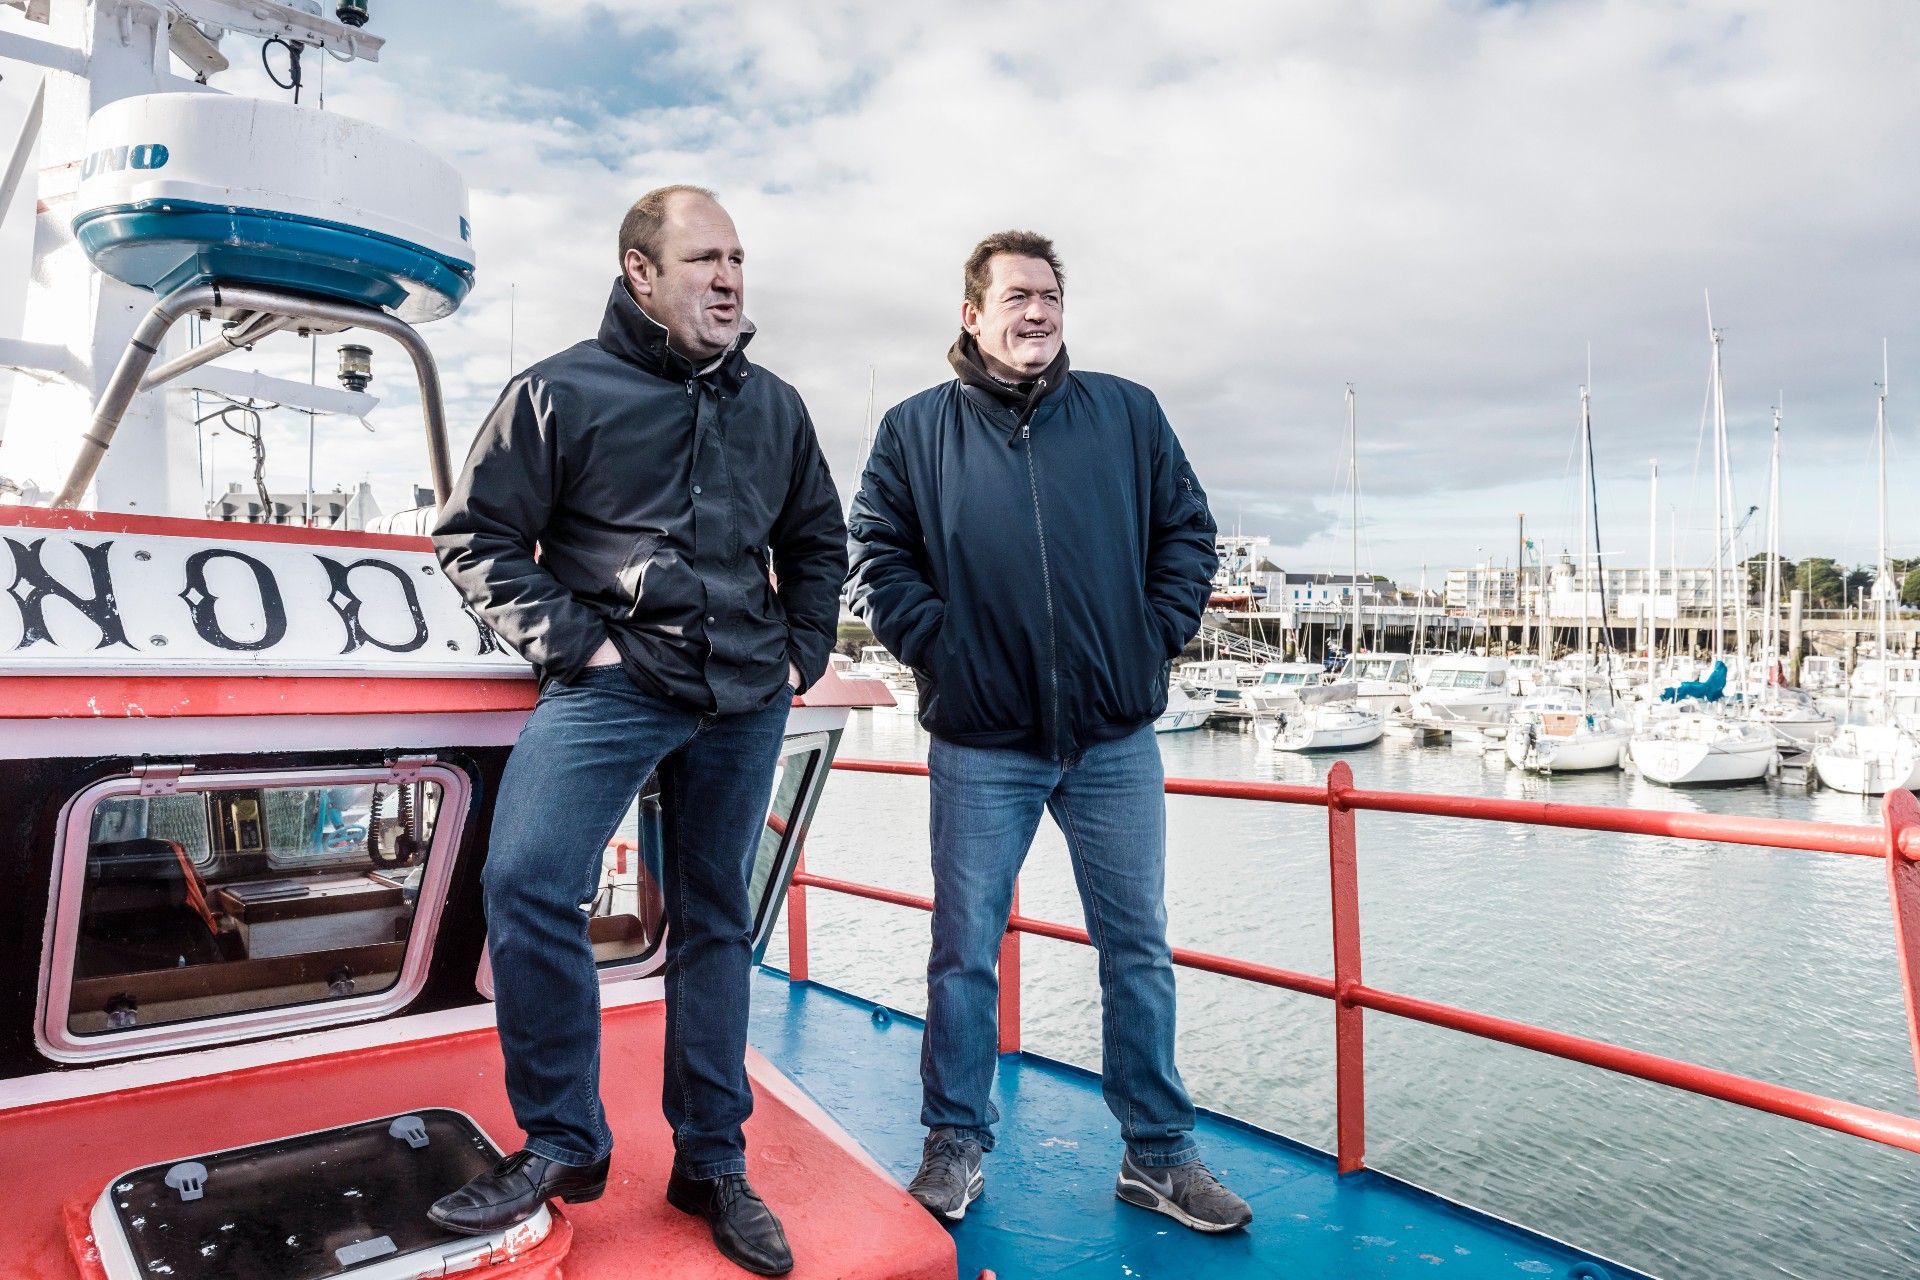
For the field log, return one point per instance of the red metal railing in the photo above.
(1897, 841)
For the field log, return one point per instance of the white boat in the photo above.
(1219, 683)
(1868, 760)
(1696, 747)
(1464, 689)
(1322, 726)
(1791, 714)
(1182, 713)
(1279, 689)
(1820, 674)
(1558, 731)
(875, 663)
(1873, 759)
(1384, 680)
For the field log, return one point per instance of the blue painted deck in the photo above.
(1049, 1209)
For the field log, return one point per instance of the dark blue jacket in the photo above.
(1039, 579)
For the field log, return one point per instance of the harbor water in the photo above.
(1773, 963)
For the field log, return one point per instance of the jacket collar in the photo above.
(636, 337)
(1019, 402)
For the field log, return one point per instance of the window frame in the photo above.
(66, 894)
(819, 744)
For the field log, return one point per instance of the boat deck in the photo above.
(818, 1180)
(1049, 1209)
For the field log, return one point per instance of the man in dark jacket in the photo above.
(616, 523)
(1032, 542)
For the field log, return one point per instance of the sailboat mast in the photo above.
(1880, 571)
(1353, 466)
(1719, 506)
(1771, 632)
(1586, 535)
(1653, 571)
(869, 441)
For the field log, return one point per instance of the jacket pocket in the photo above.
(656, 586)
(633, 574)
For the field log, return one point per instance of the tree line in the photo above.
(1832, 585)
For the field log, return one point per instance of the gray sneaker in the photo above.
(949, 1179)
(1188, 1193)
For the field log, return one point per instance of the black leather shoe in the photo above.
(743, 1227)
(513, 1191)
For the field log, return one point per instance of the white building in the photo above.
(1486, 588)
(1330, 591)
(338, 509)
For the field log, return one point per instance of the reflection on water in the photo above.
(1772, 963)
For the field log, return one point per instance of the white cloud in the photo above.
(1257, 203)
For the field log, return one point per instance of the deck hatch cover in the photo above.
(350, 1201)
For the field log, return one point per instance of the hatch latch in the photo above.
(407, 768)
(161, 779)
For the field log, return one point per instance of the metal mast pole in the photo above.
(1586, 537)
(1653, 573)
(1719, 512)
(1353, 448)
(1880, 572)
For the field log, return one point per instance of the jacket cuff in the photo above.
(807, 654)
(567, 667)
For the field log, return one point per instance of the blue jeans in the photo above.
(1108, 801)
(582, 757)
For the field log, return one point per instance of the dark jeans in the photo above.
(579, 762)
(1110, 805)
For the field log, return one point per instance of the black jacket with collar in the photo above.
(1039, 566)
(659, 497)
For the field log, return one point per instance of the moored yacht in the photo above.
(1868, 760)
(1183, 712)
(1280, 684)
(1557, 730)
(1383, 681)
(1873, 759)
(1464, 689)
(1698, 747)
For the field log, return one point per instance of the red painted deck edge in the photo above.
(226, 530)
(33, 697)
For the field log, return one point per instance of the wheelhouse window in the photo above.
(626, 917)
(191, 910)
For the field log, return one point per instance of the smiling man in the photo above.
(659, 477)
(1031, 541)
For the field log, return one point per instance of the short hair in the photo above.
(640, 229)
(1019, 244)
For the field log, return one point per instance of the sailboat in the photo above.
(1873, 759)
(1563, 732)
(1326, 720)
(1790, 713)
(1699, 745)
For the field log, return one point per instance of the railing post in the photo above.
(1901, 812)
(1010, 981)
(1349, 1041)
(797, 922)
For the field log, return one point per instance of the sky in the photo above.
(1453, 206)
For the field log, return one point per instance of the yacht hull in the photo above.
(1868, 763)
(1309, 732)
(1579, 753)
(1688, 762)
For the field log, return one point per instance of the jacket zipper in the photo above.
(1046, 578)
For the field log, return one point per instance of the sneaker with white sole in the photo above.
(1188, 1193)
(950, 1178)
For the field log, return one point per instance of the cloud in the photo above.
(1443, 204)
